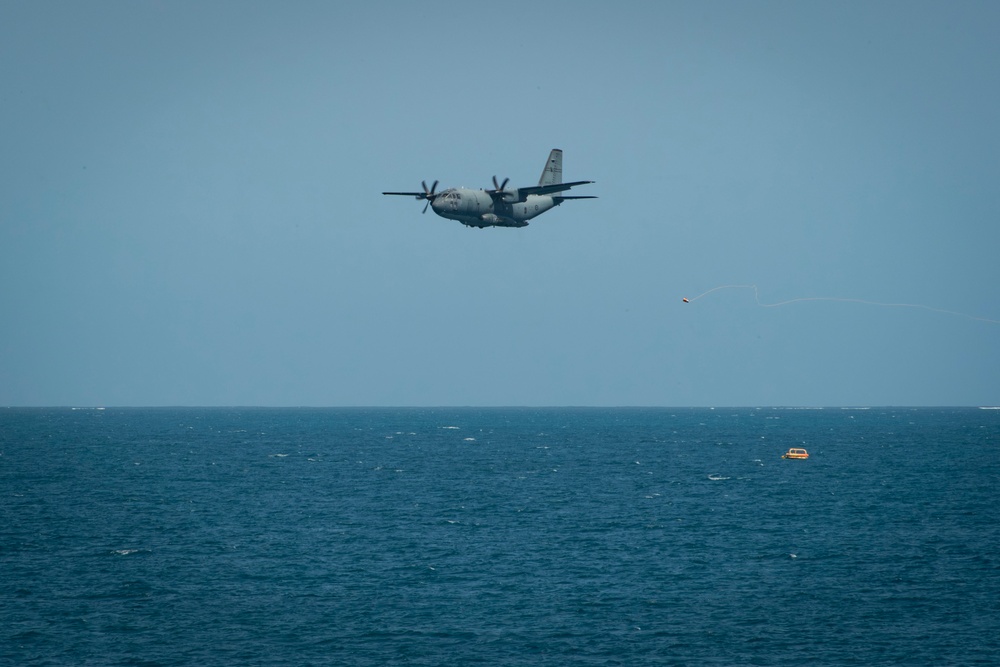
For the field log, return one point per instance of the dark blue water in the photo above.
(499, 536)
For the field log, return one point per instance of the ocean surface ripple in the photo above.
(499, 536)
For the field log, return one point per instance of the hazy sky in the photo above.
(190, 207)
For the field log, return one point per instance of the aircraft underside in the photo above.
(488, 220)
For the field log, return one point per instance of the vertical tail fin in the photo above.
(552, 174)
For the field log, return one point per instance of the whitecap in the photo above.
(716, 478)
(470, 440)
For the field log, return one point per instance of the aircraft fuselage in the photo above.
(476, 208)
(502, 206)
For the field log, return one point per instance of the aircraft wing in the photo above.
(407, 194)
(549, 189)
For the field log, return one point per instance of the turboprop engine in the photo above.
(508, 195)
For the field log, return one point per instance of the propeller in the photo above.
(501, 191)
(428, 194)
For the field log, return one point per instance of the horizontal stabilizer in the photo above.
(550, 189)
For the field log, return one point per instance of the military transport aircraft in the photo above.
(502, 206)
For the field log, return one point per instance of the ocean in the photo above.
(464, 536)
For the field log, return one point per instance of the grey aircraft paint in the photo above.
(502, 206)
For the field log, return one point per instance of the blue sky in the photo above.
(190, 207)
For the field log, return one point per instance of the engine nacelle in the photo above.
(511, 195)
